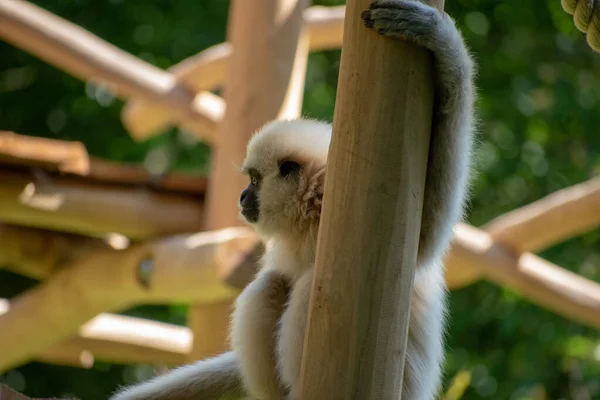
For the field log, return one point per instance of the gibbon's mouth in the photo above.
(250, 215)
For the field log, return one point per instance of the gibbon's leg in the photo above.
(291, 335)
(448, 167)
(217, 378)
(254, 333)
(225, 377)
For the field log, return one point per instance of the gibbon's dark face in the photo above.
(250, 196)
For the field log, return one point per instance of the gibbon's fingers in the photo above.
(216, 378)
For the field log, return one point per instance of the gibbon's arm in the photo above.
(217, 378)
(258, 310)
(449, 166)
(291, 334)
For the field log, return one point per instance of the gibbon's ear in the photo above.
(313, 195)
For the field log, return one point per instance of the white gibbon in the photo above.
(286, 164)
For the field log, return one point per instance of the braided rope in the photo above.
(586, 14)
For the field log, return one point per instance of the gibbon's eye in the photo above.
(286, 168)
(254, 176)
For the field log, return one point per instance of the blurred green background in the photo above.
(539, 104)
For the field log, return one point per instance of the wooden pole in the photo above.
(360, 304)
(266, 81)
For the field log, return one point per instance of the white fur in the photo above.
(268, 330)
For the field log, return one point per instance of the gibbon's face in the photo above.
(285, 165)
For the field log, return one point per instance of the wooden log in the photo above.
(89, 58)
(38, 253)
(266, 83)
(207, 70)
(125, 340)
(72, 205)
(120, 339)
(177, 269)
(561, 215)
(71, 158)
(53, 155)
(355, 344)
(550, 220)
(131, 174)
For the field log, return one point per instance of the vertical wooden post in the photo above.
(360, 304)
(265, 81)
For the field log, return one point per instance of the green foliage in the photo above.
(539, 96)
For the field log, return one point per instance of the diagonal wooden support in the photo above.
(87, 57)
(535, 227)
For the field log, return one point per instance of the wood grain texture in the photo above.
(368, 239)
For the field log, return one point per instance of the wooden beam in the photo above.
(550, 220)
(355, 345)
(266, 83)
(120, 339)
(54, 155)
(561, 215)
(89, 58)
(38, 253)
(125, 340)
(537, 280)
(177, 269)
(207, 70)
(72, 205)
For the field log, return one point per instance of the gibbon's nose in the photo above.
(243, 196)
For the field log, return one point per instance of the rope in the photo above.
(586, 14)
